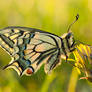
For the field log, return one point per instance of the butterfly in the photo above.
(83, 60)
(29, 48)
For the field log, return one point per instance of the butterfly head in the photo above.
(69, 38)
(70, 41)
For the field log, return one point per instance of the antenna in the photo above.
(77, 17)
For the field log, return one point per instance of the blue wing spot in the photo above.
(24, 47)
(32, 35)
(28, 62)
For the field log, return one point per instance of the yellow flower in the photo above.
(83, 60)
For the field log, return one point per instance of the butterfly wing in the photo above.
(30, 48)
(52, 62)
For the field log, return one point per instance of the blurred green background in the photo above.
(53, 16)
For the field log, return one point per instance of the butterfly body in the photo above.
(30, 48)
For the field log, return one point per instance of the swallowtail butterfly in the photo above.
(30, 48)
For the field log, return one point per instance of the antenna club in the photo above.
(77, 16)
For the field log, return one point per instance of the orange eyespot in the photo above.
(29, 71)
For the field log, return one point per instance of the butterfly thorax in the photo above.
(68, 43)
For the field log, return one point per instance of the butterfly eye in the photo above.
(29, 71)
(69, 35)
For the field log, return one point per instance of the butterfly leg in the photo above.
(72, 49)
(66, 58)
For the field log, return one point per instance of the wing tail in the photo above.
(14, 65)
